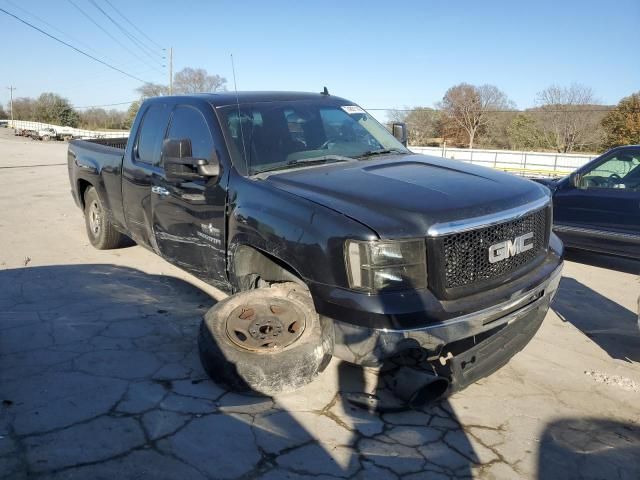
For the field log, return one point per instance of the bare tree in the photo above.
(24, 108)
(568, 117)
(422, 123)
(468, 106)
(152, 90)
(196, 80)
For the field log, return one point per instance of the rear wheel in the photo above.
(100, 230)
(266, 341)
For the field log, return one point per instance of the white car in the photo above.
(47, 134)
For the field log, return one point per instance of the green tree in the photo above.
(132, 111)
(52, 108)
(523, 133)
(622, 124)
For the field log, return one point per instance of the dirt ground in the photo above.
(99, 374)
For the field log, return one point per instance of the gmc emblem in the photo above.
(503, 250)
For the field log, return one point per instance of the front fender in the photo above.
(303, 235)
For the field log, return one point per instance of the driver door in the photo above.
(606, 200)
(189, 215)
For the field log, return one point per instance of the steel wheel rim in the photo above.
(95, 218)
(272, 324)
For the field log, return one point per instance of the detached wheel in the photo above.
(266, 341)
(100, 230)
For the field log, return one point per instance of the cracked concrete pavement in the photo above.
(100, 378)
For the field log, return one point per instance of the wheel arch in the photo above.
(83, 185)
(248, 264)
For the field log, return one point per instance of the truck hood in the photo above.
(401, 196)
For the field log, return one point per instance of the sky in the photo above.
(380, 54)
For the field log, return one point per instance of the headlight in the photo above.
(374, 266)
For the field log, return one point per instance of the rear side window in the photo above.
(188, 122)
(154, 124)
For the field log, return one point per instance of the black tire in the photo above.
(100, 230)
(270, 372)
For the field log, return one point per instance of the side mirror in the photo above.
(399, 130)
(575, 179)
(179, 164)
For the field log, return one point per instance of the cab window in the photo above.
(620, 171)
(188, 122)
(149, 141)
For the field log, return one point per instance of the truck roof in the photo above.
(220, 99)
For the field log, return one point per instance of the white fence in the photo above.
(68, 131)
(525, 163)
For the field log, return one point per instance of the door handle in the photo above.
(163, 192)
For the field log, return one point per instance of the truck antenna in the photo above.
(325, 91)
(235, 87)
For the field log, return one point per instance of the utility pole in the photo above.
(170, 70)
(11, 89)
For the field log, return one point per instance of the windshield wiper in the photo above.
(322, 159)
(381, 151)
(308, 161)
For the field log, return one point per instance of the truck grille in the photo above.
(466, 254)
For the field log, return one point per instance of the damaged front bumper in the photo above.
(481, 340)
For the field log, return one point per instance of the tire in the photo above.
(100, 230)
(265, 371)
(46, 138)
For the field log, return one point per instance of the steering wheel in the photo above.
(613, 180)
(595, 182)
(329, 141)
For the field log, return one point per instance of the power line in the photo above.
(86, 15)
(143, 48)
(105, 105)
(74, 39)
(133, 24)
(72, 47)
(77, 41)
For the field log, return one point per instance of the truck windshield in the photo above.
(279, 135)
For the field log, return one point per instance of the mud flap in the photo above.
(493, 353)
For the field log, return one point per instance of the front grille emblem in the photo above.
(510, 248)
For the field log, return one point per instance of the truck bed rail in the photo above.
(120, 143)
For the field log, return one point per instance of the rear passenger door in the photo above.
(189, 215)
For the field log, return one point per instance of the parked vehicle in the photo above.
(598, 206)
(46, 134)
(24, 132)
(335, 238)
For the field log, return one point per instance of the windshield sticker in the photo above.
(352, 109)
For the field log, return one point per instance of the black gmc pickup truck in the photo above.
(334, 238)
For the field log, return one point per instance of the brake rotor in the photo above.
(267, 325)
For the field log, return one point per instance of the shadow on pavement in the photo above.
(100, 378)
(610, 325)
(589, 448)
